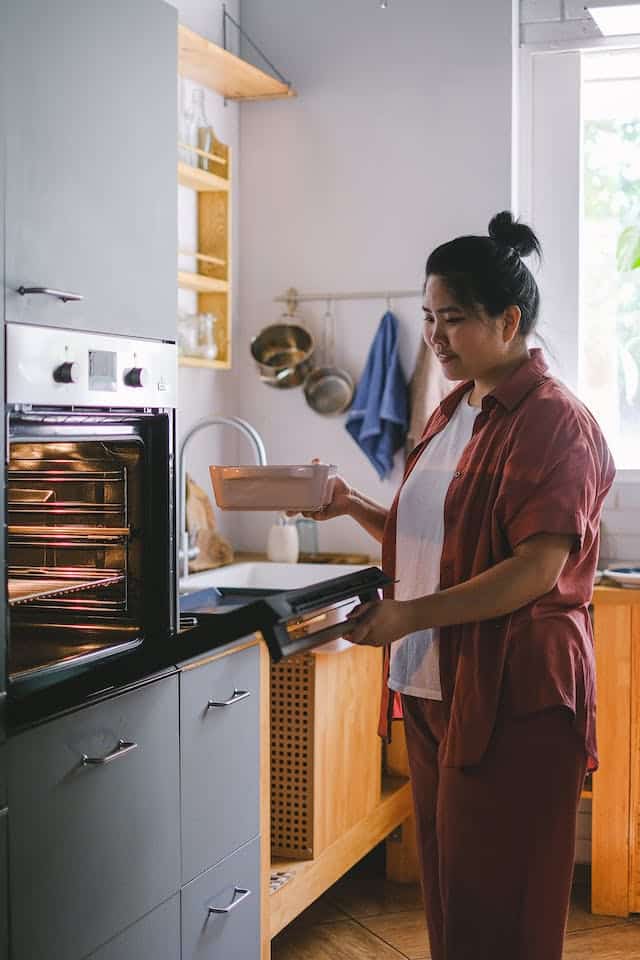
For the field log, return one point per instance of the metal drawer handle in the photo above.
(240, 894)
(63, 295)
(124, 746)
(238, 695)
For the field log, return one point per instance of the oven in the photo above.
(90, 493)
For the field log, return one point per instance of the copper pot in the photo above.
(282, 353)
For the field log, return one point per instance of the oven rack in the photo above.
(36, 474)
(28, 585)
(68, 534)
(59, 508)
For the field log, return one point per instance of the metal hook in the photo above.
(389, 302)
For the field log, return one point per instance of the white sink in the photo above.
(265, 575)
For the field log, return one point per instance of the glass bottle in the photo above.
(200, 134)
(207, 337)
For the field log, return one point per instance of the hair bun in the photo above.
(505, 230)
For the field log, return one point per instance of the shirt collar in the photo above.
(510, 391)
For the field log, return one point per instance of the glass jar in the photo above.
(200, 133)
(188, 334)
(208, 347)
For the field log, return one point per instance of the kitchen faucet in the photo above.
(261, 458)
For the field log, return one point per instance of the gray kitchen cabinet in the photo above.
(220, 758)
(93, 845)
(91, 164)
(4, 913)
(221, 909)
(154, 937)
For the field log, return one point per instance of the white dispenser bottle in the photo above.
(282, 541)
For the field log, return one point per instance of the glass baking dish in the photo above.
(288, 487)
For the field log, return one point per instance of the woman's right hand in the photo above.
(338, 506)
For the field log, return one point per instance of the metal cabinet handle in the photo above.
(239, 893)
(63, 295)
(124, 746)
(238, 695)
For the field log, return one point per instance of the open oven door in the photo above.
(290, 621)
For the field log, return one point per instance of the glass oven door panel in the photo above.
(76, 520)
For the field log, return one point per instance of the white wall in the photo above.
(203, 392)
(400, 138)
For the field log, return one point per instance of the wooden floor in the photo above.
(364, 917)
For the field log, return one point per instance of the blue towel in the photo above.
(379, 416)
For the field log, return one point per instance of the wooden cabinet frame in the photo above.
(615, 863)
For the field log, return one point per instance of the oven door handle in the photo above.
(236, 697)
(64, 295)
(123, 747)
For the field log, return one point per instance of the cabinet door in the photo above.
(91, 164)
(155, 937)
(4, 933)
(93, 847)
(221, 909)
(220, 758)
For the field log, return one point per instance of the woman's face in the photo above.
(468, 343)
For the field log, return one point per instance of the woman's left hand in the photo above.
(378, 622)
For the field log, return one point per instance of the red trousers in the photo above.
(496, 842)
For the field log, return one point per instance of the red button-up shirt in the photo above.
(536, 463)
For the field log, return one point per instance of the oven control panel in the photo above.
(51, 366)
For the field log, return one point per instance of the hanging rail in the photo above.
(292, 298)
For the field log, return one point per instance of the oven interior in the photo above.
(75, 525)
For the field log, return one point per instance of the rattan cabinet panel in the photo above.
(324, 713)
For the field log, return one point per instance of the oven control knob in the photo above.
(136, 377)
(67, 373)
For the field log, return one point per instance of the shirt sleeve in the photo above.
(549, 482)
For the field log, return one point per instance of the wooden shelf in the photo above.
(200, 180)
(201, 284)
(312, 877)
(218, 69)
(204, 364)
(216, 261)
(211, 157)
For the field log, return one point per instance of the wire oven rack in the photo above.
(28, 585)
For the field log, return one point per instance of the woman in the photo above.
(492, 540)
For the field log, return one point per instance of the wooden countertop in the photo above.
(606, 593)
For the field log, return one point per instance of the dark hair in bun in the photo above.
(511, 233)
(489, 272)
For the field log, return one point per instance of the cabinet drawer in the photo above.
(220, 759)
(156, 936)
(93, 846)
(232, 887)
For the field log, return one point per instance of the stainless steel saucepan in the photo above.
(328, 389)
(283, 353)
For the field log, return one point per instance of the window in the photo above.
(609, 329)
(580, 176)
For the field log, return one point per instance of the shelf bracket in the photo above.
(227, 16)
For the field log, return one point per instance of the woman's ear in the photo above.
(510, 323)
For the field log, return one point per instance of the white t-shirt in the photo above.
(415, 668)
